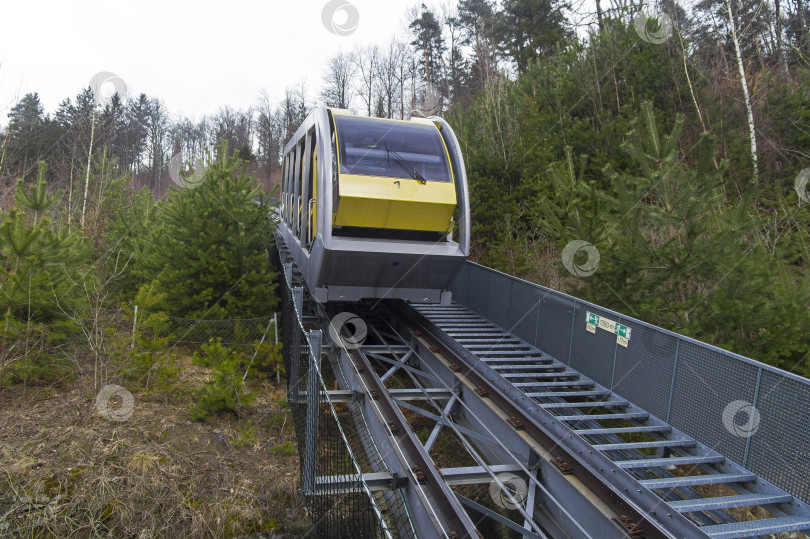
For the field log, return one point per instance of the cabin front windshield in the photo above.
(392, 149)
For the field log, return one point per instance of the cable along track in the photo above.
(667, 482)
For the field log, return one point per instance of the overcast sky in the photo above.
(195, 56)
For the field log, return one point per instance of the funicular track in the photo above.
(467, 429)
(629, 449)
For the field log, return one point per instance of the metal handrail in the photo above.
(283, 208)
(298, 208)
(312, 229)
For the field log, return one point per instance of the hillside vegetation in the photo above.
(110, 424)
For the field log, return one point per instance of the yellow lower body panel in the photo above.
(402, 204)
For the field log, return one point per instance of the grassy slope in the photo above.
(65, 471)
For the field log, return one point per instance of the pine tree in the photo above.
(574, 210)
(667, 245)
(37, 260)
(677, 256)
(530, 28)
(428, 43)
(39, 266)
(128, 239)
(209, 249)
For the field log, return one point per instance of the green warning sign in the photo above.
(622, 331)
(594, 320)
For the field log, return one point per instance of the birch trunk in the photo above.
(89, 161)
(746, 98)
(70, 194)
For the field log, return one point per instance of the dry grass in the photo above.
(65, 471)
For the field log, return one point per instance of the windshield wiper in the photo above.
(403, 164)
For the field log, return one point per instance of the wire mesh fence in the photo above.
(333, 443)
(195, 331)
(231, 332)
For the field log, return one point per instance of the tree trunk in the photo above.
(778, 30)
(89, 162)
(689, 82)
(751, 127)
(804, 45)
(599, 15)
(70, 194)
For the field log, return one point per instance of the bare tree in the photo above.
(337, 80)
(89, 162)
(388, 80)
(366, 60)
(270, 134)
(293, 110)
(235, 127)
(156, 139)
(404, 73)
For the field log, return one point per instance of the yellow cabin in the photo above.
(374, 207)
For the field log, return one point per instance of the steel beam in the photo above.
(473, 475)
(348, 395)
(495, 516)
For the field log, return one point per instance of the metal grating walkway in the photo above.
(722, 498)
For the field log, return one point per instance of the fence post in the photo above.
(256, 351)
(295, 345)
(275, 328)
(672, 382)
(615, 356)
(298, 299)
(571, 335)
(288, 274)
(313, 409)
(134, 324)
(751, 418)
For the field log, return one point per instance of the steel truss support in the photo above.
(495, 516)
(432, 507)
(432, 386)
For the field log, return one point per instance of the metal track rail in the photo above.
(430, 490)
